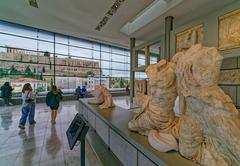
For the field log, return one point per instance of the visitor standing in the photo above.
(83, 91)
(78, 92)
(127, 89)
(28, 106)
(53, 100)
(6, 93)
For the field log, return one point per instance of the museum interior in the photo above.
(120, 82)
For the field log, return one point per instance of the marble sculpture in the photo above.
(208, 128)
(140, 86)
(157, 108)
(102, 97)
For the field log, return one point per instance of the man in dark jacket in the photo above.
(6, 93)
(78, 92)
(83, 92)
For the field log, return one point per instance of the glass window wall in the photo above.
(41, 57)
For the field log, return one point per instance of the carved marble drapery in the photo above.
(102, 97)
(157, 108)
(209, 131)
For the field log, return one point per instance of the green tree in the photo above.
(35, 74)
(21, 58)
(121, 83)
(41, 76)
(40, 89)
(28, 71)
(90, 74)
(47, 54)
(2, 72)
(51, 82)
(43, 69)
(13, 70)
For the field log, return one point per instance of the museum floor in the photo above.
(42, 144)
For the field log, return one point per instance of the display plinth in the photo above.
(129, 147)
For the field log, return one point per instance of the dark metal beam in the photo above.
(132, 66)
(168, 29)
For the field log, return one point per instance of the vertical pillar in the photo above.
(54, 59)
(168, 29)
(82, 152)
(35, 76)
(132, 66)
(147, 55)
(101, 66)
(159, 54)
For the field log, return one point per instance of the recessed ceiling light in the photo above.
(109, 14)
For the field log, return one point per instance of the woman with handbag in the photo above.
(53, 100)
(28, 106)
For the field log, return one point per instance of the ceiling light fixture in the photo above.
(33, 3)
(109, 14)
(152, 12)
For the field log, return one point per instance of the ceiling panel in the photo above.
(80, 17)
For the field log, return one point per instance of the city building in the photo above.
(39, 62)
(37, 85)
(72, 83)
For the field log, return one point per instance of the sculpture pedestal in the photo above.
(129, 147)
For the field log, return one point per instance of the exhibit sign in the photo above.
(77, 130)
(229, 30)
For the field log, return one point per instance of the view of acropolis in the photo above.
(38, 68)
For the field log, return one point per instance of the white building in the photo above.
(19, 83)
(74, 82)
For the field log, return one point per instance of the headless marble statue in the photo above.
(209, 129)
(98, 96)
(157, 110)
(102, 97)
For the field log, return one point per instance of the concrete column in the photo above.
(132, 66)
(159, 55)
(168, 29)
(54, 59)
(147, 55)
